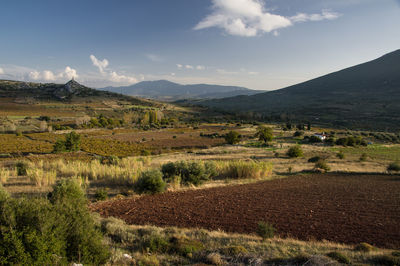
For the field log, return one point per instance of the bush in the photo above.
(314, 159)
(232, 137)
(265, 230)
(156, 243)
(72, 143)
(295, 151)
(101, 194)
(298, 133)
(22, 168)
(150, 182)
(394, 167)
(339, 257)
(322, 165)
(50, 232)
(189, 172)
(340, 155)
(364, 247)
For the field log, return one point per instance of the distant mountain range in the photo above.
(72, 91)
(363, 96)
(170, 91)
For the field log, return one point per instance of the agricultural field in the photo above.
(322, 202)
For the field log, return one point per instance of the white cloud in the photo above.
(70, 73)
(154, 58)
(109, 74)
(101, 65)
(173, 74)
(325, 15)
(35, 75)
(1, 71)
(249, 18)
(189, 67)
(179, 66)
(48, 75)
(122, 78)
(200, 67)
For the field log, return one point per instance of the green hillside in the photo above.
(364, 96)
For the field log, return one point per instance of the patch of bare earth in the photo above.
(341, 208)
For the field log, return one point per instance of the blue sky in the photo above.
(260, 44)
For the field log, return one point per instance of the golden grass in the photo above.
(244, 169)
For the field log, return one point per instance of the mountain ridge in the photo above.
(361, 95)
(167, 90)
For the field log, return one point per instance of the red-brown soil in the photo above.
(336, 207)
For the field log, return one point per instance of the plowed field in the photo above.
(337, 207)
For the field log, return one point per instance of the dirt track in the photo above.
(336, 207)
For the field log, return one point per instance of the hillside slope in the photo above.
(72, 91)
(166, 90)
(362, 96)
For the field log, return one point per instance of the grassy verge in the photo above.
(149, 245)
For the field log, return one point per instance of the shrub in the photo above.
(59, 146)
(232, 137)
(314, 159)
(341, 141)
(394, 167)
(363, 157)
(49, 232)
(22, 168)
(265, 230)
(322, 165)
(295, 151)
(150, 182)
(189, 172)
(72, 141)
(101, 194)
(298, 133)
(339, 257)
(184, 246)
(156, 243)
(364, 247)
(340, 155)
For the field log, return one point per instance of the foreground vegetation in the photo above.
(53, 231)
(149, 245)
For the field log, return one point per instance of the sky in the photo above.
(258, 44)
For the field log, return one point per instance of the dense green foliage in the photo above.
(295, 151)
(232, 137)
(189, 172)
(264, 134)
(49, 232)
(71, 143)
(150, 182)
(394, 167)
(265, 230)
(22, 168)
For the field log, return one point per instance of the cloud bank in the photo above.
(111, 75)
(48, 75)
(249, 18)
